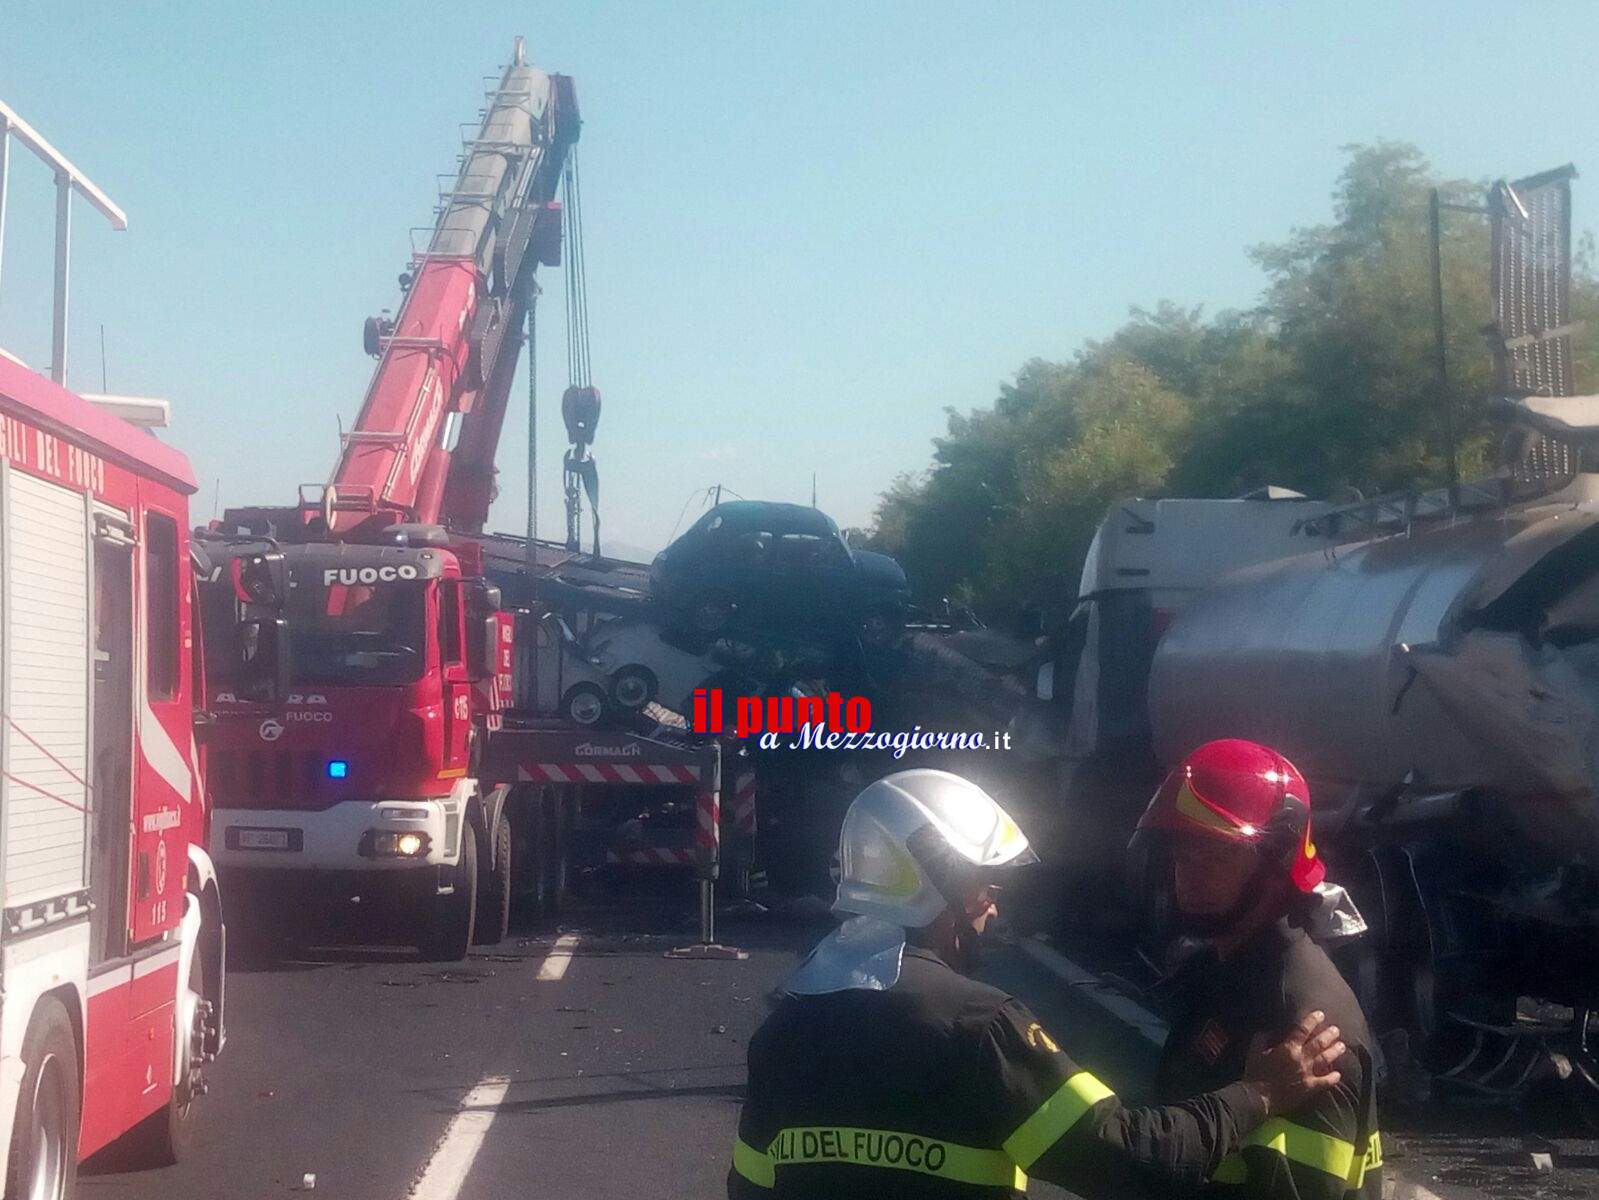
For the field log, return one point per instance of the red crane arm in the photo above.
(444, 368)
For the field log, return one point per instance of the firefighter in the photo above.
(885, 1071)
(1248, 888)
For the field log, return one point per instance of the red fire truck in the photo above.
(364, 787)
(111, 941)
(402, 788)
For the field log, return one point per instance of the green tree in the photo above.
(1328, 383)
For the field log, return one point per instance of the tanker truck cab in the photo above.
(363, 778)
(1149, 559)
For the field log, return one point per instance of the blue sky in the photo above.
(809, 227)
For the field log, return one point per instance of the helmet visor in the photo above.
(1184, 810)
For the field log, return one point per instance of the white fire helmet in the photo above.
(910, 839)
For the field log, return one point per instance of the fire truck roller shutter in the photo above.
(44, 624)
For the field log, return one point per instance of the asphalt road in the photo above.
(577, 1060)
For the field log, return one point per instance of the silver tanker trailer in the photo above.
(1431, 663)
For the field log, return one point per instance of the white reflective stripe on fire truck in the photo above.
(115, 977)
(157, 748)
(124, 972)
(157, 962)
(155, 744)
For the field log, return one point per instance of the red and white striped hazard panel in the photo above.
(605, 773)
(742, 810)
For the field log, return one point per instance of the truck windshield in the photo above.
(358, 635)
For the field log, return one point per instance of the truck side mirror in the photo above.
(264, 668)
(260, 579)
(482, 599)
(483, 647)
(482, 630)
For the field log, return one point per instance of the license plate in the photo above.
(263, 839)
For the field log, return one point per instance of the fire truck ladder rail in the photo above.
(432, 345)
(495, 146)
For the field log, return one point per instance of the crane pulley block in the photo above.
(580, 409)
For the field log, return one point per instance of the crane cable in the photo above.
(581, 472)
(577, 300)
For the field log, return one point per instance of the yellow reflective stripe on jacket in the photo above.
(1307, 1147)
(753, 1165)
(1369, 1161)
(896, 1151)
(1054, 1117)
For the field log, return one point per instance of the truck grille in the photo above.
(262, 778)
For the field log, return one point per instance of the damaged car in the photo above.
(752, 564)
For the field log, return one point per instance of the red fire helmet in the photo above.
(1243, 792)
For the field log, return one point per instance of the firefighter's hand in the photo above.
(1289, 1073)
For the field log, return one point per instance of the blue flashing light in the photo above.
(338, 769)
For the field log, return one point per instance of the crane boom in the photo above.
(422, 448)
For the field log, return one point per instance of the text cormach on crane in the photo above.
(367, 779)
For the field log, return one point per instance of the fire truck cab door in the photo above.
(164, 784)
(112, 762)
(456, 686)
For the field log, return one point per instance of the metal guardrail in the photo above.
(68, 180)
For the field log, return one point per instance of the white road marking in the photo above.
(452, 1161)
(559, 958)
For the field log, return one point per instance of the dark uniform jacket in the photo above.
(944, 1087)
(1325, 1150)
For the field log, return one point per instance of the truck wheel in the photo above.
(584, 705)
(164, 1137)
(494, 903)
(633, 687)
(44, 1141)
(450, 924)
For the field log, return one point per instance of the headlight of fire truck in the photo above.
(388, 843)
